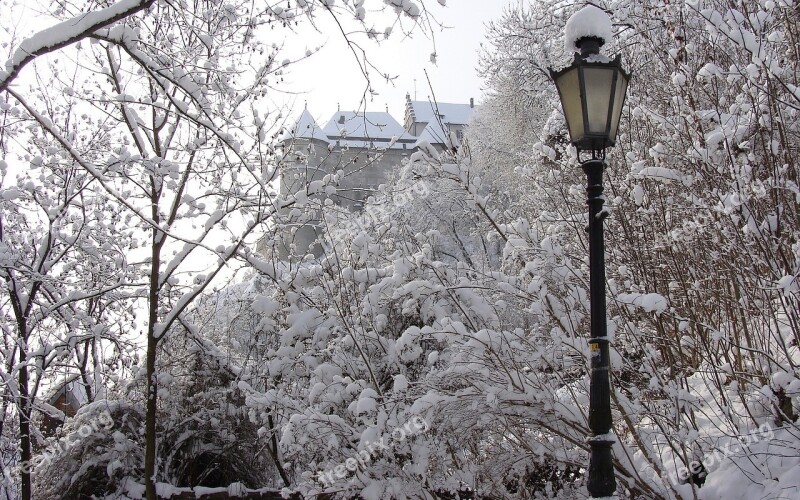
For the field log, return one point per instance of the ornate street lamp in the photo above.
(592, 91)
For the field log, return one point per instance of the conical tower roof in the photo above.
(305, 128)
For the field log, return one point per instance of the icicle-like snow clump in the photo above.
(589, 21)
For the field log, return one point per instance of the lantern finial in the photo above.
(589, 45)
(589, 22)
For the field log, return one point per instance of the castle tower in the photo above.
(360, 150)
(304, 146)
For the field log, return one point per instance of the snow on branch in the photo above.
(650, 302)
(407, 6)
(66, 33)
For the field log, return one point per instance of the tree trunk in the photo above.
(24, 404)
(21, 311)
(152, 385)
(150, 418)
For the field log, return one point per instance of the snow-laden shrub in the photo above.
(96, 454)
(206, 437)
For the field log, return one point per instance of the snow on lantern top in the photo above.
(590, 21)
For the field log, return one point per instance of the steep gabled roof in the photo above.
(364, 126)
(305, 128)
(450, 113)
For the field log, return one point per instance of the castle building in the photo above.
(360, 149)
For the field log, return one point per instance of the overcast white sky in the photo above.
(331, 77)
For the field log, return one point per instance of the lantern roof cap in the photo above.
(589, 22)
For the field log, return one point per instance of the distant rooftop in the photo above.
(380, 130)
(305, 128)
(369, 125)
(449, 113)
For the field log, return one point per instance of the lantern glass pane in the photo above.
(570, 91)
(598, 82)
(619, 101)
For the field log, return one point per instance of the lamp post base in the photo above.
(601, 482)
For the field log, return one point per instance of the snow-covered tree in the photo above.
(64, 273)
(702, 242)
(439, 344)
(156, 106)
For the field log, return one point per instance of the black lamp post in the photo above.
(592, 91)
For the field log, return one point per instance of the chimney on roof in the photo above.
(341, 118)
(471, 102)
